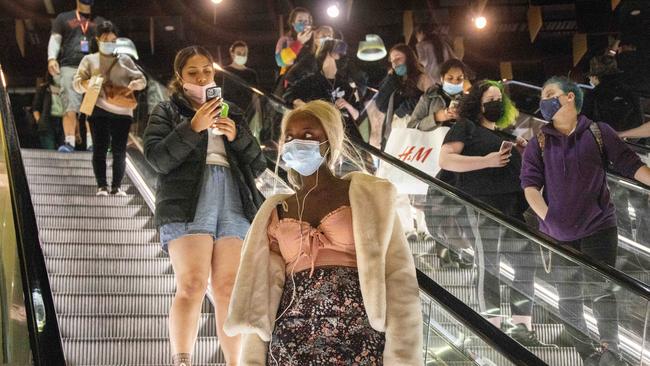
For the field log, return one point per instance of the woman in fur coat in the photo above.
(326, 275)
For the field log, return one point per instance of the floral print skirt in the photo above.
(326, 324)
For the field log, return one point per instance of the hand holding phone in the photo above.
(506, 147)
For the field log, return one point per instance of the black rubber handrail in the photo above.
(625, 281)
(45, 340)
(490, 334)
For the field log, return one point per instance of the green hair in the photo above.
(568, 86)
(470, 106)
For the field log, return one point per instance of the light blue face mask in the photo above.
(452, 89)
(401, 70)
(303, 156)
(107, 48)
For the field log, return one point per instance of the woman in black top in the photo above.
(328, 84)
(405, 83)
(206, 197)
(473, 149)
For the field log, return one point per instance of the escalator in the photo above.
(94, 287)
(111, 285)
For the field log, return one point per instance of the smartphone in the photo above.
(454, 104)
(212, 92)
(506, 146)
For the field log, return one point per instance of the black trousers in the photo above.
(109, 129)
(575, 286)
(494, 242)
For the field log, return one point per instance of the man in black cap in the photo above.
(612, 101)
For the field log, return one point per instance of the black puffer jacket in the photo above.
(178, 153)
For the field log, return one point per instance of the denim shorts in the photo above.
(219, 211)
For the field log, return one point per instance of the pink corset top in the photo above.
(331, 243)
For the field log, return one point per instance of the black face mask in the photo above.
(493, 110)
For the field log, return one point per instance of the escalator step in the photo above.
(37, 162)
(86, 250)
(133, 284)
(76, 190)
(126, 326)
(126, 211)
(94, 201)
(49, 154)
(106, 223)
(117, 303)
(98, 236)
(67, 180)
(78, 172)
(125, 266)
(135, 351)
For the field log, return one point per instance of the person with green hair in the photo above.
(488, 166)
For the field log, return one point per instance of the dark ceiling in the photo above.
(506, 37)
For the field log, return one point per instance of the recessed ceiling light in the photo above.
(169, 28)
(635, 12)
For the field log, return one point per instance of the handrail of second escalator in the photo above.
(44, 335)
(629, 283)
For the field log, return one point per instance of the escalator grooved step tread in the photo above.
(147, 351)
(114, 250)
(134, 326)
(69, 190)
(90, 236)
(67, 303)
(133, 266)
(88, 201)
(115, 212)
(132, 284)
(105, 223)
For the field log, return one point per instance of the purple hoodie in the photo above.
(574, 179)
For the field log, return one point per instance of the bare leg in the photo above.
(225, 262)
(190, 256)
(70, 126)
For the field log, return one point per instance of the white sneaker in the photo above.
(102, 191)
(118, 192)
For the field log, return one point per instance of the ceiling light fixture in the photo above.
(480, 22)
(333, 10)
(216, 1)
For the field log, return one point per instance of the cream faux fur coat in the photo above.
(386, 273)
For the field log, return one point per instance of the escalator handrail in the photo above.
(46, 345)
(627, 282)
(490, 334)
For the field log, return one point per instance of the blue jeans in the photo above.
(219, 212)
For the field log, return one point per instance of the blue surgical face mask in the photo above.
(401, 70)
(106, 48)
(299, 27)
(303, 156)
(452, 89)
(549, 107)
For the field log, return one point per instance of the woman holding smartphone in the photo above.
(489, 168)
(206, 197)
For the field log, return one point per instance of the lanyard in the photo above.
(84, 26)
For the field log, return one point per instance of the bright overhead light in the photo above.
(169, 28)
(333, 11)
(480, 22)
(216, 1)
(635, 12)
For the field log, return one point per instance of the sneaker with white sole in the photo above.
(66, 148)
(118, 192)
(102, 191)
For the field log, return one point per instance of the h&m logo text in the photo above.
(410, 154)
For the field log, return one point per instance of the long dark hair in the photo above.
(470, 104)
(182, 56)
(292, 18)
(414, 69)
(430, 35)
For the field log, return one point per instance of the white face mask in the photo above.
(240, 60)
(106, 48)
